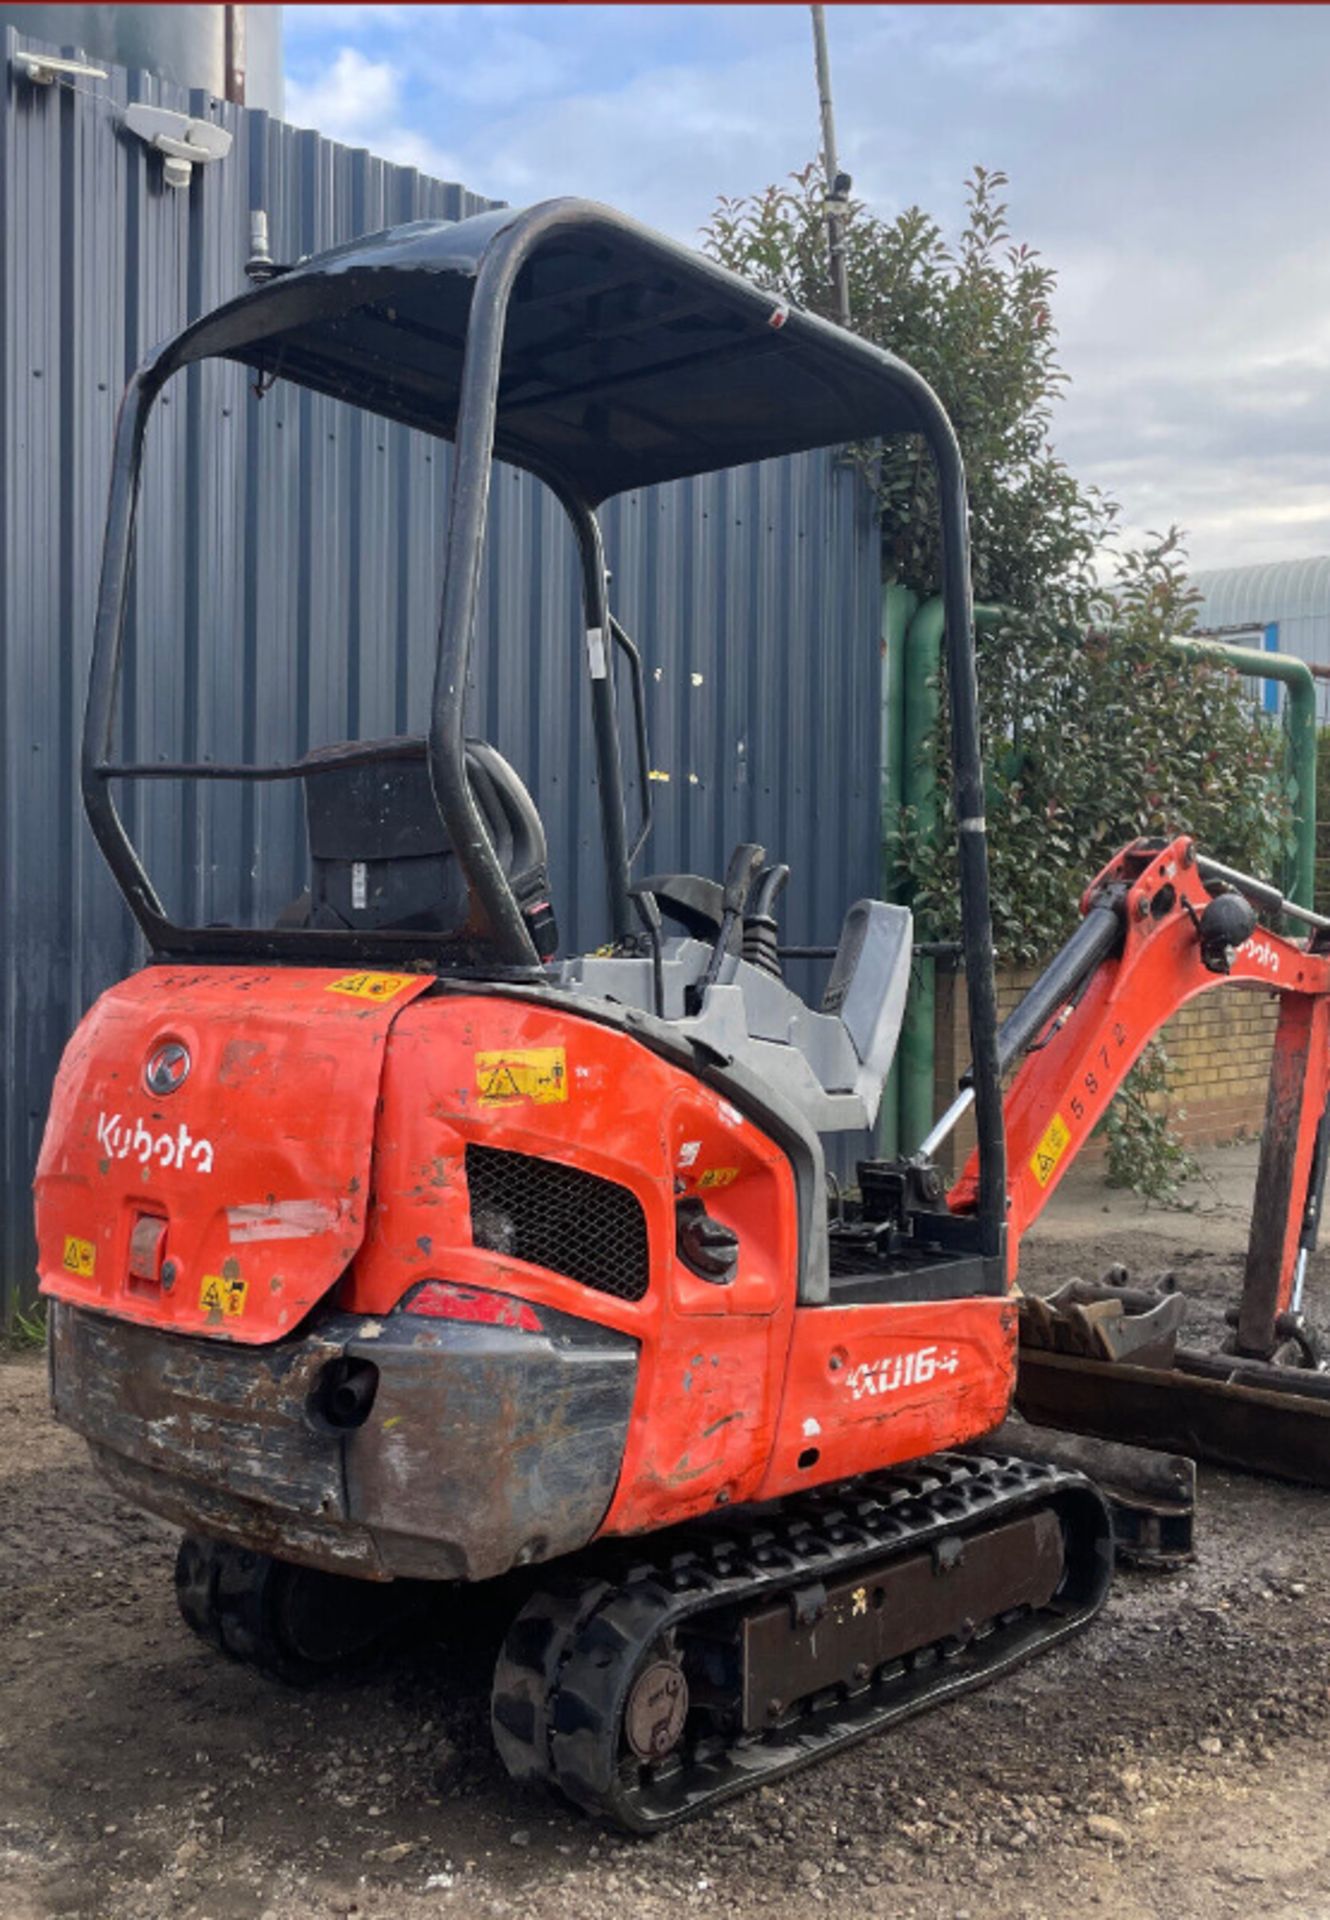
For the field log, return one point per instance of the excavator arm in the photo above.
(1166, 935)
(1160, 925)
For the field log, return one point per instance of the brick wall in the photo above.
(1219, 1046)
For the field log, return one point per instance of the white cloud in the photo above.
(1021, 48)
(359, 101)
(510, 66)
(662, 145)
(1167, 162)
(345, 22)
(350, 100)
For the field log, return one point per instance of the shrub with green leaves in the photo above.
(1095, 729)
(28, 1331)
(1144, 1153)
(1094, 737)
(975, 319)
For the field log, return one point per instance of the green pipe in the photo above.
(912, 703)
(1297, 678)
(920, 723)
(898, 609)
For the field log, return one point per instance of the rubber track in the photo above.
(232, 1599)
(252, 1608)
(563, 1678)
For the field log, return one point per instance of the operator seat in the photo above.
(380, 855)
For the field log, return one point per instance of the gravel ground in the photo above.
(1174, 1761)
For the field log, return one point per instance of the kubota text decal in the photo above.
(175, 1147)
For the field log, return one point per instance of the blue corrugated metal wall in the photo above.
(286, 584)
(1291, 594)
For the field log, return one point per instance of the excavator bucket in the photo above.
(1151, 1494)
(1102, 1358)
(1162, 924)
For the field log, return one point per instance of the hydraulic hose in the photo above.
(1095, 938)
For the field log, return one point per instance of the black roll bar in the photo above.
(853, 370)
(628, 647)
(500, 265)
(107, 644)
(468, 507)
(599, 623)
(971, 826)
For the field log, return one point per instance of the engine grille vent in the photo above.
(589, 1229)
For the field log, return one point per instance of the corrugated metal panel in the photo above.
(1296, 593)
(286, 588)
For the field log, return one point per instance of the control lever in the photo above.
(760, 932)
(745, 863)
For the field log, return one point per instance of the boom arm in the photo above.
(1067, 1079)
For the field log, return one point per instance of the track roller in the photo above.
(714, 1661)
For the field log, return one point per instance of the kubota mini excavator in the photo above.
(385, 1247)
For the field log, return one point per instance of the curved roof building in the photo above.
(1291, 594)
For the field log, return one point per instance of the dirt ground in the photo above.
(1173, 1762)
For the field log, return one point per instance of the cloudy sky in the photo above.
(1173, 164)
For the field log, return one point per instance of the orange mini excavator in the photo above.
(386, 1247)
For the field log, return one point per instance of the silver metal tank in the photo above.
(233, 51)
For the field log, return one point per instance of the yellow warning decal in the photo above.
(80, 1257)
(1056, 1140)
(718, 1177)
(373, 986)
(220, 1295)
(522, 1073)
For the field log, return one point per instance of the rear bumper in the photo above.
(485, 1447)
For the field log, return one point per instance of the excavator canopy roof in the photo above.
(627, 359)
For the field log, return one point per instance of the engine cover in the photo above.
(206, 1160)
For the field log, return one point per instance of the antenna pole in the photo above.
(837, 183)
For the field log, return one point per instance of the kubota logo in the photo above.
(168, 1068)
(119, 1140)
(1261, 953)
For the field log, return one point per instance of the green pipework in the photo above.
(911, 717)
(1297, 678)
(921, 718)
